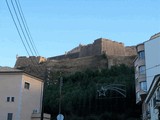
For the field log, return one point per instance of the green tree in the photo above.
(79, 95)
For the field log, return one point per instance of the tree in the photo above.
(79, 94)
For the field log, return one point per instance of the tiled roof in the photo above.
(9, 69)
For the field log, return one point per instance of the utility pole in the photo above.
(46, 82)
(60, 93)
(60, 116)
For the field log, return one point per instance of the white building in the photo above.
(151, 102)
(152, 58)
(20, 95)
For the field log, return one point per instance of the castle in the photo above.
(100, 46)
(103, 53)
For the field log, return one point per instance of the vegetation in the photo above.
(80, 99)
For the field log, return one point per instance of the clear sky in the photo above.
(60, 25)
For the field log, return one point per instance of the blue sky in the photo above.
(60, 25)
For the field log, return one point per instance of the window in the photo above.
(136, 82)
(137, 95)
(143, 86)
(141, 54)
(142, 69)
(10, 116)
(26, 85)
(8, 99)
(136, 69)
(12, 99)
(158, 93)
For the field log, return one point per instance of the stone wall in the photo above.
(101, 46)
(88, 50)
(75, 50)
(108, 47)
(33, 60)
(66, 56)
(98, 47)
(32, 65)
(68, 66)
(130, 51)
(103, 53)
(113, 48)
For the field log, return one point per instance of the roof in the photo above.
(13, 70)
(155, 36)
(9, 69)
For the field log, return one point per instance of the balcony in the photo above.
(156, 102)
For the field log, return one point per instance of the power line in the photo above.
(18, 5)
(21, 27)
(26, 27)
(17, 27)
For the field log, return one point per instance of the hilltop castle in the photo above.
(100, 46)
(103, 53)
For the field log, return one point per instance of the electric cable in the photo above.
(21, 27)
(17, 27)
(26, 27)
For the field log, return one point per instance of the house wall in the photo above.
(139, 77)
(10, 85)
(32, 97)
(153, 112)
(152, 59)
(152, 48)
(25, 101)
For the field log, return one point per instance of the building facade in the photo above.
(140, 74)
(151, 100)
(20, 96)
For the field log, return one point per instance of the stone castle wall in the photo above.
(66, 56)
(103, 53)
(130, 50)
(113, 48)
(91, 49)
(99, 46)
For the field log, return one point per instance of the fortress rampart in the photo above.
(103, 53)
(100, 46)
